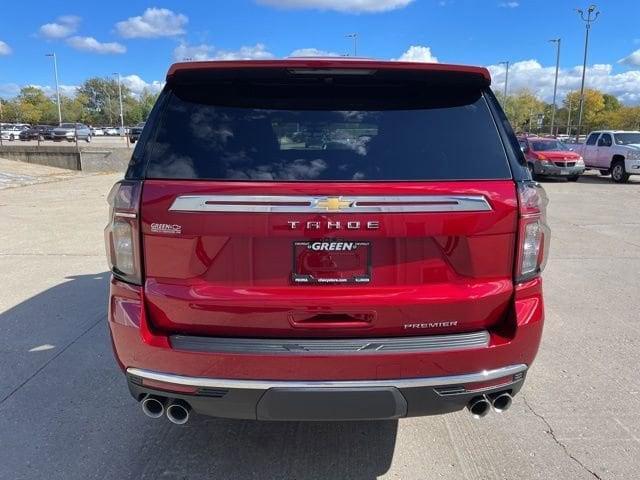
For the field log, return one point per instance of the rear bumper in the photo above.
(417, 375)
(327, 400)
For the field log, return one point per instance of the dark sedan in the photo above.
(135, 132)
(42, 132)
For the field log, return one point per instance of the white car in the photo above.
(12, 132)
(97, 131)
(111, 131)
(612, 152)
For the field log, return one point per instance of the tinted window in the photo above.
(627, 138)
(324, 134)
(605, 140)
(549, 145)
(592, 139)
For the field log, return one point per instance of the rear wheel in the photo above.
(618, 173)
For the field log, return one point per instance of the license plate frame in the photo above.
(361, 277)
(564, 171)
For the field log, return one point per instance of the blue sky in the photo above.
(141, 39)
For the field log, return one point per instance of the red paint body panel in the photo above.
(228, 274)
(328, 63)
(515, 341)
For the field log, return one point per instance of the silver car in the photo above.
(69, 131)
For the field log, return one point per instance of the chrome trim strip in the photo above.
(315, 204)
(125, 215)
(202, 382)
(335, 346)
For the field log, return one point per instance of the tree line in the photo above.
(96, 102)
(527, 113)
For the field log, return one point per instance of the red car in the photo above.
(548, 157)
(310, 240)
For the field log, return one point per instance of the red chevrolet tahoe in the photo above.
(326, 239)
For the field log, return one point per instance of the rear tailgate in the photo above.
(351, 205)
(230, 273)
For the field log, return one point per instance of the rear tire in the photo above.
(618, 173)
(573, 178)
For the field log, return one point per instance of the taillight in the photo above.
(533, 231)
(122, 234)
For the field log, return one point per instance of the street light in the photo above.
(589, 19)
(355, 42)
(55, 71)
(506, 79)
(555, 83)
(121, 109)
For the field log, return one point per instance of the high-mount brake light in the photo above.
(122, 234)
(533, 231)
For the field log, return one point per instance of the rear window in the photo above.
(324, 133)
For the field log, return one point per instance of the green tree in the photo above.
(594, 104)
(523, 109)
(100, 98)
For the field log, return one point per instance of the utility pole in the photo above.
(355, 42)
(555, 83)
(569, 118)
(506, 79)
(592, 16)
(55, 71)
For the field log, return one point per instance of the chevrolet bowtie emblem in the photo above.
(333, 204)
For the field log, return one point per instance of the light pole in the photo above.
(55, 71)
(120, 94)
(355, 42)
(592, 15)
(121, 109)
(555, 83)
(506, 79)
(569, 118)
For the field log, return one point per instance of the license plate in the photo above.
(331, 262)
(564, 171)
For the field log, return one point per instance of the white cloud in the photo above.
(632, 59)
(347, 6)
(418, 53)
(137, 84)
(312, 52)
(61, 28)
(530, 74)
(153, 23)
(4, 48)
(203, 51)
(9, 90)
(509, 4)
(90, 44)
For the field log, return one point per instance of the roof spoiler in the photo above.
(328, 66)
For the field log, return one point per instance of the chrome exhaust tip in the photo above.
(178, 412)
(153, 406)
(502, 402)
(479, 406)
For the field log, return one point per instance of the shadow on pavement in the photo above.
(69, 413)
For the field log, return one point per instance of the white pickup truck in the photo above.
(613, 152)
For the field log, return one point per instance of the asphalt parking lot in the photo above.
(65, 412)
